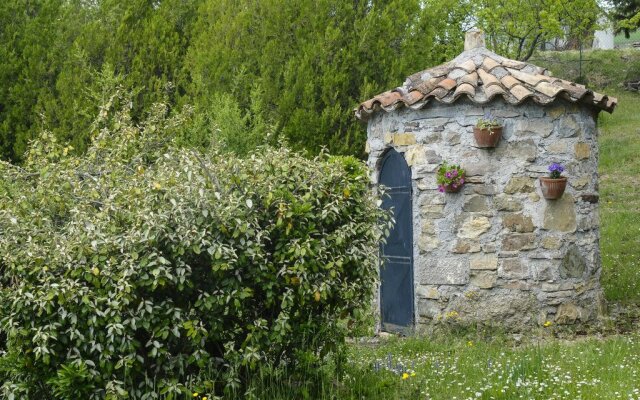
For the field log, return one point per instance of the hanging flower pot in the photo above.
(450, 178)
(487, 137)
(554, 185)
(487, 131)
(454, 188)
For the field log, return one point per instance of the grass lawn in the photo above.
(620, 199)
(461, 369)
(620, 40)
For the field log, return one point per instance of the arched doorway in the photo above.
(396, 267)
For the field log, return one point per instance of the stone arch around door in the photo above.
(396, 255)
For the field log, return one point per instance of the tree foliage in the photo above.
(131, 269)
(298, 67)
(517, 28)
(627, 14)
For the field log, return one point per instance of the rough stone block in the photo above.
(519, 241)
(483, 261)
(465, 246)
(452, 138)
(558, 147)
(428, 228)
(485, 190)
(555, 298)
(573, 264)
(483, 279)
(446, 272)
(556, 112)
(520, 184)
(434, 123)
(432, 210)
(428, 308)
(475, 179)
(551, 242)
(431, 197)
(568, 127)
(504, 202)
(424, 183)
(473, 227)
(533, 127)
(519, 150)
(569, 313)
(583, 150)
(513, 268)
(478, 168)
(543, 270)
(588, 222)
(502, 113)
(476, 204)
(560, 215)
(518, 222)
(428, 292)
(428, 243)
(489, 247)
(432, 157)
(515, 285)
(415, 155)
(581, 182)
(555, 287)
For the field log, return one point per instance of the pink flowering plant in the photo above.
(450, 176)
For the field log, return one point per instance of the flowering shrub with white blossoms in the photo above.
(127, 270)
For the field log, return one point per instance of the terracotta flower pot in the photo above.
(553, 189)
(487, 137)
(451, 189)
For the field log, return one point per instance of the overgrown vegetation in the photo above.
(600, 69)
(295, 68)
(300, 67)
(142, 269)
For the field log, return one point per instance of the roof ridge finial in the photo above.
(473, 39)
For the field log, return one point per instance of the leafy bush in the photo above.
(128, 271)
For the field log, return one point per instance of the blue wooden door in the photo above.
(396, 269)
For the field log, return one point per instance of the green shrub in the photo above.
(129, 270)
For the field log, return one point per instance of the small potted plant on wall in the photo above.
(450, 178)
(487, 131)
(554, 185)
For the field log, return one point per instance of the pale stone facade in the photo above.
(497, 251)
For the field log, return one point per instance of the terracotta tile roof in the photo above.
(481, 75)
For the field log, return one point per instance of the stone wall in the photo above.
(497, 251)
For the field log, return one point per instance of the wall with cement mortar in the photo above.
(498, 252)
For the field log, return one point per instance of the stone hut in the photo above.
(496, 252)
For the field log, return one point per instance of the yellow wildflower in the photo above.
(316, 296)
(204, 398)
(405, 376)
(413, 373)
(470, 343)
(196, 394)
(157, 186)
(547, 324)
(452, 315)
(95, 271)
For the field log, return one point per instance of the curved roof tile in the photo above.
(481, 75)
